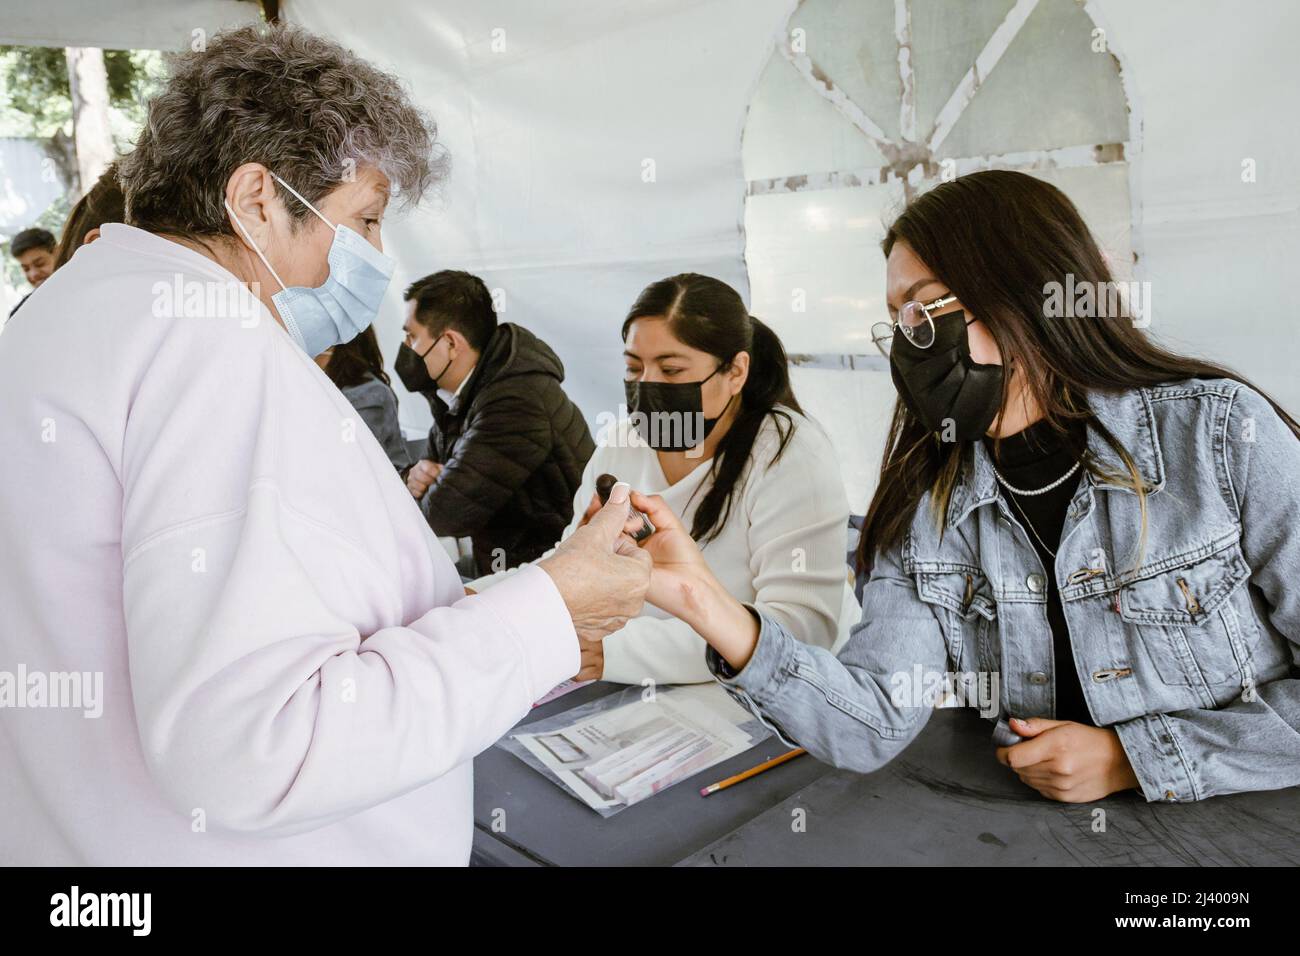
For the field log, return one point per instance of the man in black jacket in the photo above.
(507, 447)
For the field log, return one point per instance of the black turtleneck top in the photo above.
(1033, 459)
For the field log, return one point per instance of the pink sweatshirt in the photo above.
(193, 516)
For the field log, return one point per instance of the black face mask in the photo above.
(950, 393)
(670, 415)
(410, 368)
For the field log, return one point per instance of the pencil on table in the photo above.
(752, 771)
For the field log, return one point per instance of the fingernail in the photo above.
(620, 492)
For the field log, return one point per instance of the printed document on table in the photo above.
(615, 757)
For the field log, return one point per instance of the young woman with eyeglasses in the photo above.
(1105, 525)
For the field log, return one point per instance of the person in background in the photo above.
(103, 203)
(357, 369)
(756, 481)
(507, 446)
(34, 250)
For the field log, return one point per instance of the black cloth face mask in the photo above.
(410, 368)
(668, 414)
(952, 394)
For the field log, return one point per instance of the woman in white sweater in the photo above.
(712, 425)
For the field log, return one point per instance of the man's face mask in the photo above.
(348, 301)
(952, 394)
(414, 372)
(669, 416)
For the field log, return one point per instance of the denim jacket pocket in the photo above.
(963, 602)
(1185, 619)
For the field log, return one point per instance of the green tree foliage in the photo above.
(35, 99)
(36, 102)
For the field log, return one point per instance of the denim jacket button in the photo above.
(1035, 583)
(1038, 677)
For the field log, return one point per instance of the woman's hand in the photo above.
(1068, 761)
(591, 509)
(683, 585)
(599, 571)
(592, 660)
(681, 576)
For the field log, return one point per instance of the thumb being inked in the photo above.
(611, 519)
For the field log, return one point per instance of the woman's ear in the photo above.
(250, 192)
(738, 374)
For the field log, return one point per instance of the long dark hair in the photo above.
(354, 362)
(709, 315)
(997, 239)
(102, 203)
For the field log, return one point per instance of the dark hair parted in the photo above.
(997, 239)
(710, 316)
(303, 106)
(103, 203)
(354, 362)
(456, 300)
(29, 239)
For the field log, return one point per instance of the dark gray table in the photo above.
(946, 801)
(546, 825)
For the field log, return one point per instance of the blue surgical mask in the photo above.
(346, 304)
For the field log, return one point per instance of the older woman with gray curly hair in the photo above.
(232, 621)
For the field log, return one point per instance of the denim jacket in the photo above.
(1190, 656)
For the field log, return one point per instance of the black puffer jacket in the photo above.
(513, 447)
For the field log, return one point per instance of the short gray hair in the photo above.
(301, 105)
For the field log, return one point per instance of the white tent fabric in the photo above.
(120, 24)
(550, 112)
(596, 147)
(551, 125)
